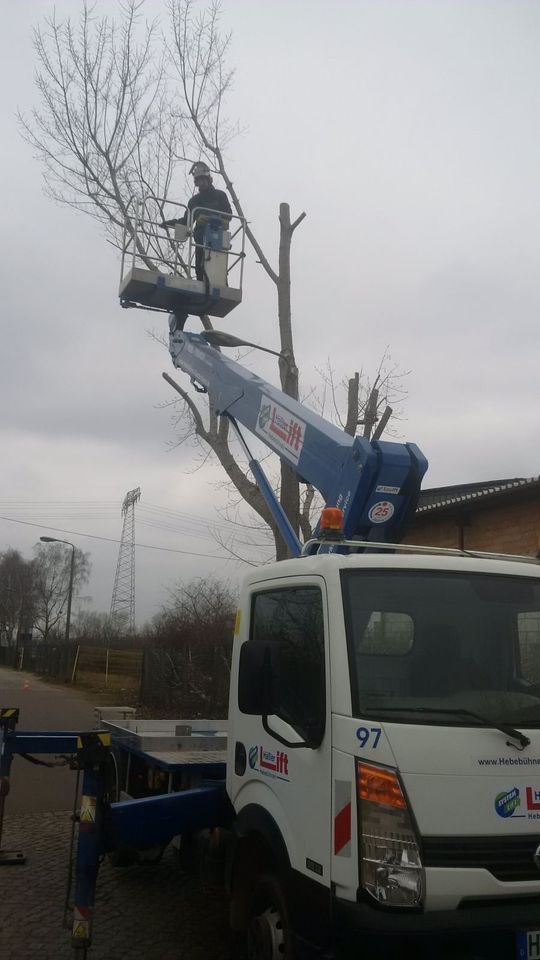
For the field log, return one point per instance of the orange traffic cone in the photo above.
(25, 685)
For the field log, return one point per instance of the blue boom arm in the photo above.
(376, 483)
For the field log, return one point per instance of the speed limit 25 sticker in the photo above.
(381, 511)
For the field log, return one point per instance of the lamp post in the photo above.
(218, 338)
(71, 572)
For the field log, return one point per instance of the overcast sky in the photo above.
(409, 132)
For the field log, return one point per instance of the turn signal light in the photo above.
(379, 786)
(390, 862)
(331, 519)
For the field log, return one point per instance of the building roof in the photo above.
(439, 498)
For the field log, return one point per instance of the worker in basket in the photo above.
(209, 198)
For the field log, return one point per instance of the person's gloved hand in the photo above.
(202, 220)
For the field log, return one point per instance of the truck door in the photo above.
(281, 725)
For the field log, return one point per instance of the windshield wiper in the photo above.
(523, 740)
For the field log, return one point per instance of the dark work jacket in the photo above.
(211, 198)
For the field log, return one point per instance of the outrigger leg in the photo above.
(93, 756)
(8, 721)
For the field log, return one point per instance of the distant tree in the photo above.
(97, 628)
(17, 595)
(196, 615)
(191, 639)
(52, 563)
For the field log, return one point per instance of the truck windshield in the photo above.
(429, 647)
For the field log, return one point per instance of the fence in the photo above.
(8, 656)
(48, 659)
(108, 667)
(90, 666)
(188, 682)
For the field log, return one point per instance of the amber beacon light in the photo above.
(331, 520)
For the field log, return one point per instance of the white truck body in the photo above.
(472, 791)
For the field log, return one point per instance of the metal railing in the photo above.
(413, 548)
(148, 245)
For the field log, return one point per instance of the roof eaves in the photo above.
(474, 495)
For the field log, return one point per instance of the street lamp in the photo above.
(71, 572)
(218, 338)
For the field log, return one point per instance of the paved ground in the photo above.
(42, 706)
(150, 913)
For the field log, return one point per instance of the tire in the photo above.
(269, 933)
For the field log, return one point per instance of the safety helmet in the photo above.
(200, 169)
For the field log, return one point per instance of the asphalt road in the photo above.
(42, 706)
(142, 913)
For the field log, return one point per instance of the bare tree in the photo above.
(190, 647)
(199, 55)
(104, 130)
(17, 597)
(120, 111)
(363, 401)
(99, 629)
(51, 579)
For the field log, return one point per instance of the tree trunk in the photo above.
(288, 371)
(352, 405)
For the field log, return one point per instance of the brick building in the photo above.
(501, 516)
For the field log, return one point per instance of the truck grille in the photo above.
(507, 858)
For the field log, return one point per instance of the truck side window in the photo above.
(289, 622)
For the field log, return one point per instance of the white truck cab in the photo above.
(384, 754)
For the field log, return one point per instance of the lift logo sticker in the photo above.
(507, 803)
(270, 763)
(284, 431)
(533, 803)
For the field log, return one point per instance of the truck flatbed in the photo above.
(171, 744)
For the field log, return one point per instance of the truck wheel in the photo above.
(268, 934)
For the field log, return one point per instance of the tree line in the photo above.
(34, 593)
(197, 617)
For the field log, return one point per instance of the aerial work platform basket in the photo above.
(194, 267)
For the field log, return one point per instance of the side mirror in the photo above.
(253, 678)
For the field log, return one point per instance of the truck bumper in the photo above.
(486, 929)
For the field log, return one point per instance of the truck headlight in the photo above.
(391, 869)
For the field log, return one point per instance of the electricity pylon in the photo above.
(123, 595)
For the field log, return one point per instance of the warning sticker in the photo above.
(88, 809)
(381, 511)
(81, 930)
